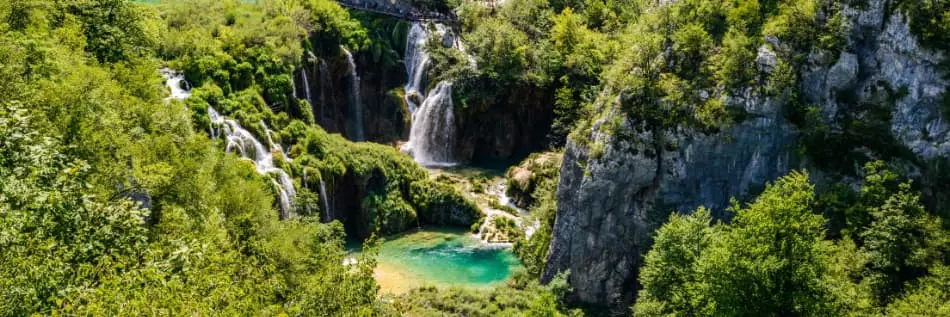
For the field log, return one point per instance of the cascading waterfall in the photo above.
(326, 201)
(416, 59)
(177, 84)
(238, 137)
(252, 149)
(355, 96)
(432, 137)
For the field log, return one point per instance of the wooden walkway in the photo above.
(405, 12)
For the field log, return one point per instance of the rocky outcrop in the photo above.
(709, 169)
(525, 178)
(618, 183)
(604, 200)
(882, 51)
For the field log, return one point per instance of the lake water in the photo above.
(444, 257)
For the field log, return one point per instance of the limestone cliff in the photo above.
(618, 182)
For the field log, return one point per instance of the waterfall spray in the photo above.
(432, 137)
(415, 59)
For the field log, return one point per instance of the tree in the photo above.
(669, 278)
(770, 261)
(903, 242)
(114, 29)
(928, 297)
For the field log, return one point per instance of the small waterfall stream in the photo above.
(306, 83)
(250, 148)
(324, 85)
(327, 213)
(240, 138)
(415, 60)
(355, 96)
(177, 84)
(306, 86)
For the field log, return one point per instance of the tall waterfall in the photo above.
(324, 86)
(432, 137)
(355, 96)
(252, 149)
(415, 59)
(327, 213)
(313, 108)
(306, 86)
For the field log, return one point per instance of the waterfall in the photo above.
(432, 136)
(415, 59)
(327, 214)
(239, 138)
(250, 148)
(177, 84)
(355, 96)
(324, 85)
(306, 86)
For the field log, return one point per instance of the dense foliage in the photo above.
(87, 141)
(521, 297)
(776, 258)
(535, 180)
(83, 128)
(115, 200)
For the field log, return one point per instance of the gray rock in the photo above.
(609, 200)
(917, 120)
(708, 170)
(601, 227)
(844, 73)
(766, 59)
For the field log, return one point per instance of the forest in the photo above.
(654, 158)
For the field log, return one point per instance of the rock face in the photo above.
(617, 186)
(882, 54)
(708, 170)
(604, 201)
(491, 128)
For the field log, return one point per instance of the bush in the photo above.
(439, 203)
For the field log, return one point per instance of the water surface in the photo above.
(442, 257)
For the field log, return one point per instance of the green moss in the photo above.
(440, 203)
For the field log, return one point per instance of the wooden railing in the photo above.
(402, 12)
